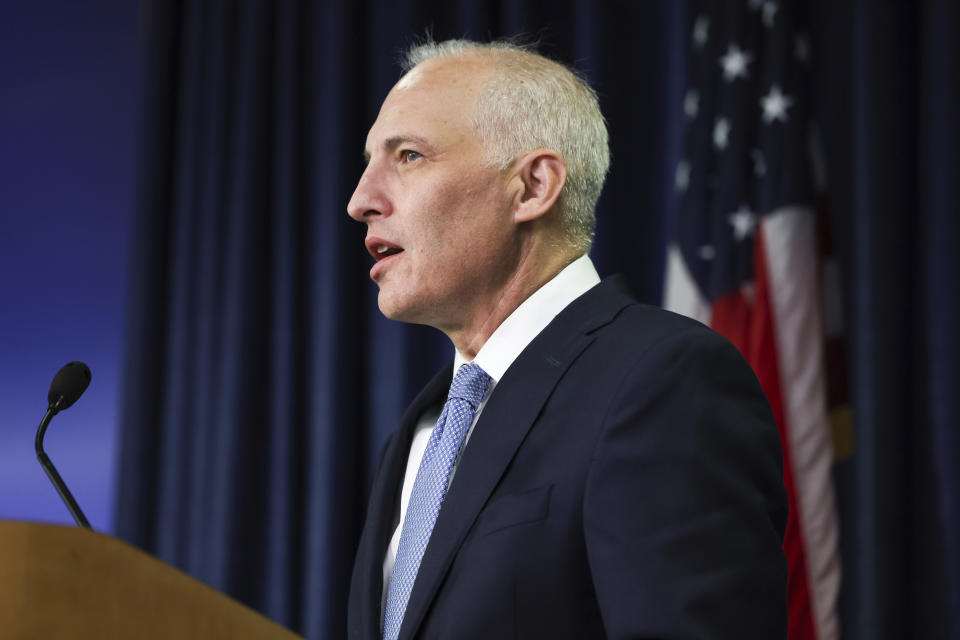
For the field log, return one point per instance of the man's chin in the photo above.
(392, 307)
(403, 308)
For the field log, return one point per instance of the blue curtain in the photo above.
(261, 380)
(889, 106)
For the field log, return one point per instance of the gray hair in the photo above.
(535, 102)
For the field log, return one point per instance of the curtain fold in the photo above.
(261, 380)
(939, 172)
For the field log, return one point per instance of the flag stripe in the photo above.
(744, 317)
(680, 291)
(790, 255)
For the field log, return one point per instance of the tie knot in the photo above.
(470, 384)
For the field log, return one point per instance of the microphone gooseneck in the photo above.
(67, 386)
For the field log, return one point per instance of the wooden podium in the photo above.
(65, 582)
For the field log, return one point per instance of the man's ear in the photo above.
(543, 174)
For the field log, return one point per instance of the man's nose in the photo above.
(369, 199)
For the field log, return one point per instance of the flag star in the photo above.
(707, 252)
(691, 103)
(721, 133)
(681, 178)
(769, 12)
(801, 49)
(775, 105)
(735, 62)
(701, 31)
(743, 222)
(759, 163)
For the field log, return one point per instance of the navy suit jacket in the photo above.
(624, 480)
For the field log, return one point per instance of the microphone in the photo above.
(67, 386)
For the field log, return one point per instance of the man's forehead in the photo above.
(436, 95)
(463, 69)
(412, 77)
(441, 80)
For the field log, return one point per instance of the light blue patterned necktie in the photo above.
(469, 387)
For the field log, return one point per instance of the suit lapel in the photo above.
(507, 417)
(384, 502)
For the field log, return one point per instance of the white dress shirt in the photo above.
(495, 357)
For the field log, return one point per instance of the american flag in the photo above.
(744, 256)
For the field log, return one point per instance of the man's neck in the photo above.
(469, 338)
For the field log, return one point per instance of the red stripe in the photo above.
(748, 324)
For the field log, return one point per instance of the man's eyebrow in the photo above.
(394, 142)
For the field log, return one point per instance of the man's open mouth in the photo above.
(381, 249)
(384, 251)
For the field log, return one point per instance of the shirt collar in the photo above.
(531, 317)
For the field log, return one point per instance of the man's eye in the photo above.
(410, 156)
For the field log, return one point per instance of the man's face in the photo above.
(439, 222)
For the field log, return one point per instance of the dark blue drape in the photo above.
(261, 379)
(889, 105)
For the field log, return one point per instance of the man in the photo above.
(588, 467)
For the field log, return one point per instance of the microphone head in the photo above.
(68, 385)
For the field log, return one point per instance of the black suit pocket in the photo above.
(514, 509)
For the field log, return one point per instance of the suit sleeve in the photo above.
(684, 507)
